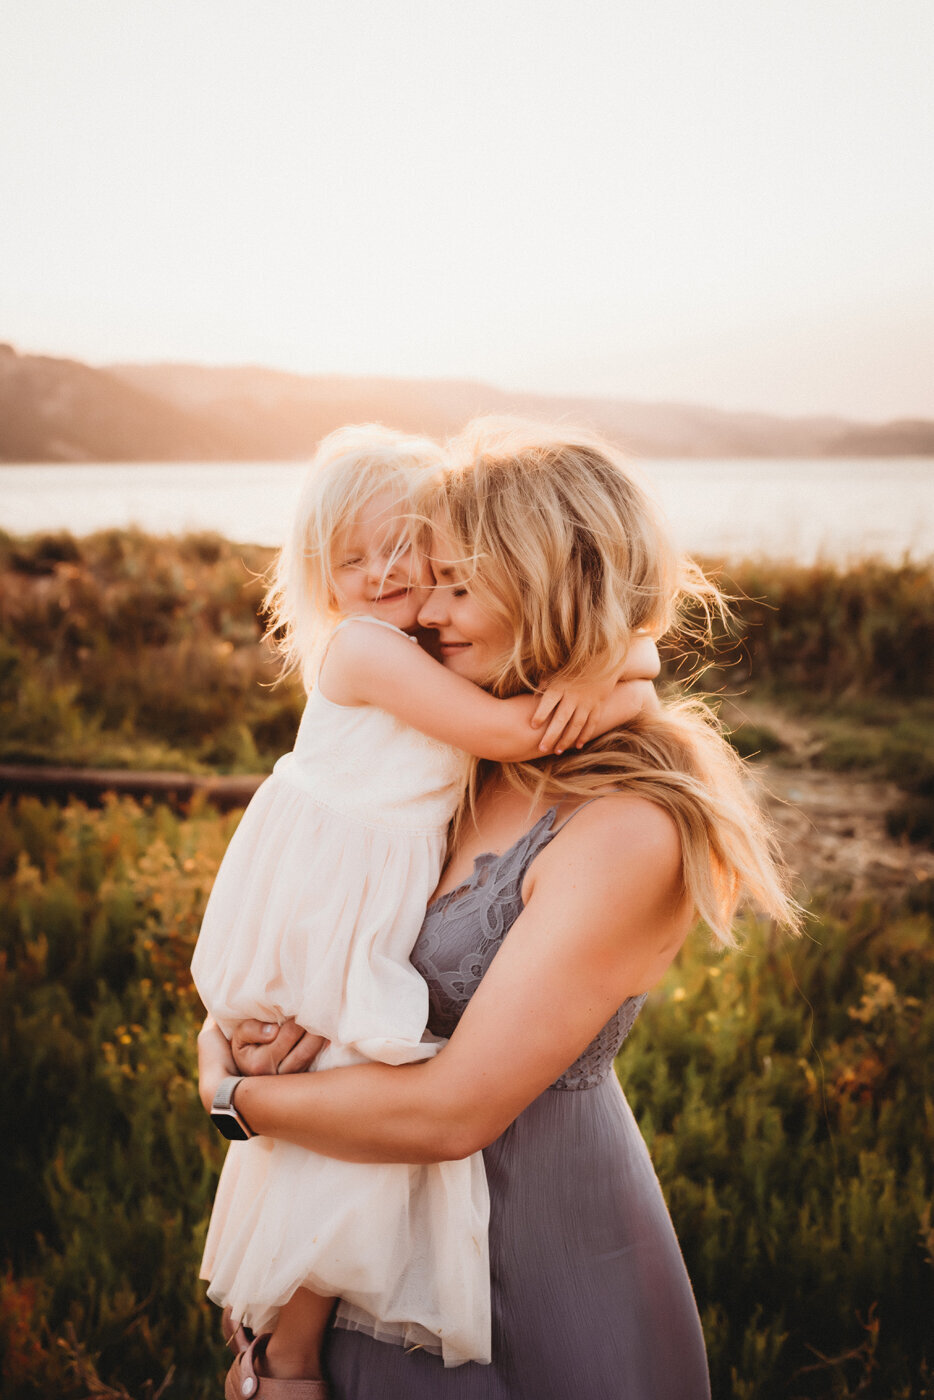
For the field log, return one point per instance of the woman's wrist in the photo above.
(215, 1062)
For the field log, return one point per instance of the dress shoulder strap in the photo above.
(572, 815)
(375, 622)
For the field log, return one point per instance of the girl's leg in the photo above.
(294, 1349)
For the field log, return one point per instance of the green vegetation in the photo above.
(787, 1096)
(126, 651)
(110, 1164)
(785, 1090)
(832, 634)
(847, 653)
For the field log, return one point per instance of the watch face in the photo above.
(229, 1125)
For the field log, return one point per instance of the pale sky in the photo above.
(714, 201)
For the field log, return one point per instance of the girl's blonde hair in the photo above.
(556, 538)
(350, 467)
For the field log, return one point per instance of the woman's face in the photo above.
(471, 642)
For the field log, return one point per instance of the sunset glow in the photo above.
(721, 203)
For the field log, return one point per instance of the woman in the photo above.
(595, 863)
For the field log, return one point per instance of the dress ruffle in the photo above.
(313, 916)
(404, 1247)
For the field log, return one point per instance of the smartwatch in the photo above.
(228, 1120)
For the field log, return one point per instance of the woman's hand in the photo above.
(215, 1061)
(261, 1047)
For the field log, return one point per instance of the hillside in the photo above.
(55, 410)
(59, 410)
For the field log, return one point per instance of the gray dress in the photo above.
(590, 1296)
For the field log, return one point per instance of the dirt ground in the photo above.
(832, 825)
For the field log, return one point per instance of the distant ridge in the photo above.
(58, 410)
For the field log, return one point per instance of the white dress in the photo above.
(314, 912)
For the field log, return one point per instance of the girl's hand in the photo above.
(215, 1061)
(570, 711)
(581, 711)
(261, 1047)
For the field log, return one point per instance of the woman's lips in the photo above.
(449, 647)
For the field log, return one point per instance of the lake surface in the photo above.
(833, 509)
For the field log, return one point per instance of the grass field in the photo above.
(786, 1090)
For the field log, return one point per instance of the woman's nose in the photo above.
(433, 612)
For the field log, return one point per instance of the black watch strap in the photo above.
(224, 1114)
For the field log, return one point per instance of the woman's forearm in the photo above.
(367, 1113)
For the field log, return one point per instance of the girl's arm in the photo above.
(604, 915)
(375, 666)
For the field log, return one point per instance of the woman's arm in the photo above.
(605, 914)
(375, 666)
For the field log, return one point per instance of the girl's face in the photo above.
(376, 571)
(471, 641)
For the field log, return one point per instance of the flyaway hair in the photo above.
(555, 536)
(350, 468)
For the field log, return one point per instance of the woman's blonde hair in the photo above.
(350, 468)
(556, 538)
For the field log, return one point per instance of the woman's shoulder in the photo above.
(615, 815)
(611, 840)
(608, 892)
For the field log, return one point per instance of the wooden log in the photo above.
(92, 784)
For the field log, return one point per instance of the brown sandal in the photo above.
(243, 1383)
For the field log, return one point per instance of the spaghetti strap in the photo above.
(572, 815)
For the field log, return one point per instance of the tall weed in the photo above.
(124, 649)
(786, 1092)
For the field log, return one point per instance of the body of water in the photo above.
(802, 510)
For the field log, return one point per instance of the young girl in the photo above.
(316, 907)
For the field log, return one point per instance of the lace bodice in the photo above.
(463, 930)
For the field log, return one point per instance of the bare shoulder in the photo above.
(361, 637)
(621, 826)
(363, 649)
(612, 844)
(607, 895)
